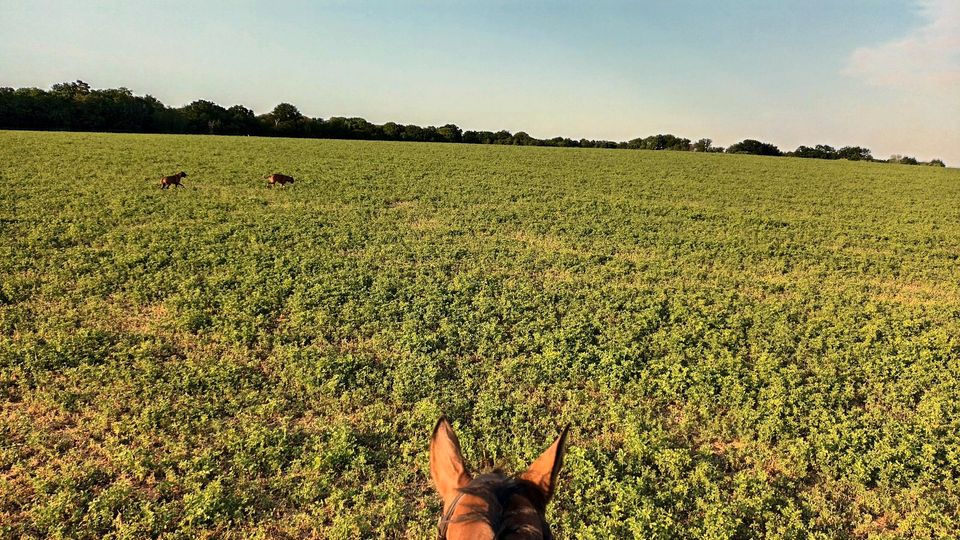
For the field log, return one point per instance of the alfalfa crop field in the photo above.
(744, 347)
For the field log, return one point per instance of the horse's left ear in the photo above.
(544, 471)
(447, 469)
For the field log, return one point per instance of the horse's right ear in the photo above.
(544, 471)
(446, 463)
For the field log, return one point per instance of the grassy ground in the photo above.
(745, 347)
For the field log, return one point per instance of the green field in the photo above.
(745, 347)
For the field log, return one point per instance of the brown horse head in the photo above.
(492, 505)
(182, 174)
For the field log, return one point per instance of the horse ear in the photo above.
(446, 463)
(544, 471)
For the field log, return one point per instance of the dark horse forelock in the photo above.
(497, 490)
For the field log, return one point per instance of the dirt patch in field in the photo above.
(426, 224)
(544, 242)
(143, 319)
(916, 293)
(403, 204)
(559, 275)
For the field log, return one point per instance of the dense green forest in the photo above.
(75, 106)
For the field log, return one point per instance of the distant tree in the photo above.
(392, 131)
(658, 142)
(586, 143)
(502, 137)
(240, 120)
(671, 142)
(702, 145)
(521, 138)
(936, 163)
(412, 133)
(285, 120)
(286, 112)
(30, 108)
(119, 110)
(903, 160)
(314, 127)
(450, 133)
(429, 134)
(479, 137)
(203, 116)
(71, 89)
(632, 144)
(167, 119)
(855, 153)
(820, 151)
(561, 142)
(335, 128)
(751, 146)
(360, 128)
(705, 145)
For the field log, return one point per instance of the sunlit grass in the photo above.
(744, 346)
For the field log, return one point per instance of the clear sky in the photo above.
(878, 73)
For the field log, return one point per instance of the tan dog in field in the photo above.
(173, 180)
(278, 178)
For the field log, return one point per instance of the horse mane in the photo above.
(497, 489)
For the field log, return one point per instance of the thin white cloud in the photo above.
(928, 57)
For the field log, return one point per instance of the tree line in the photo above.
(75, 106)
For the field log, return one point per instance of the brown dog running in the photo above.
(278, 178)
(173, 180)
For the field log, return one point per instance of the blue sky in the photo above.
(879, 73)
